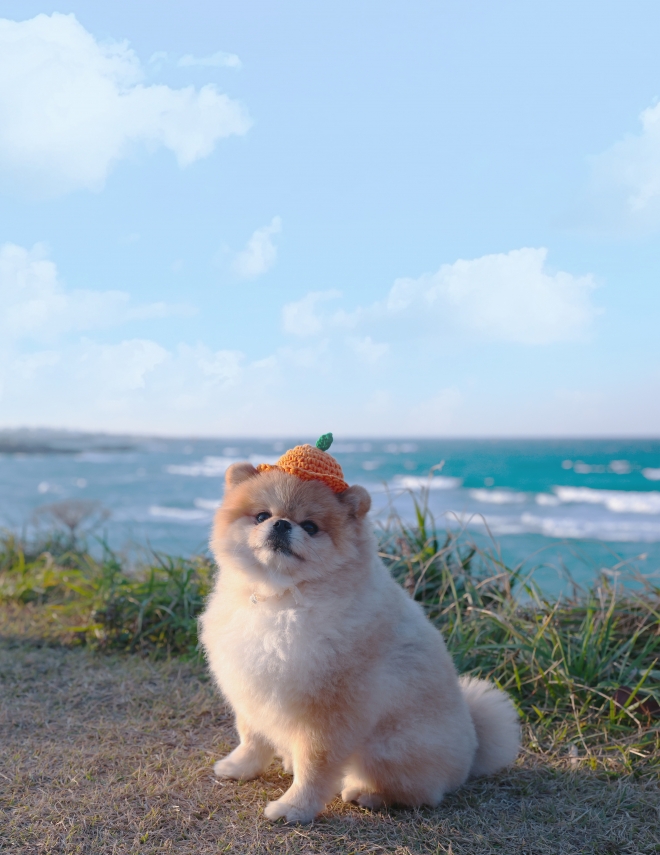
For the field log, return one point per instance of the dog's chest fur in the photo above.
(276, 653)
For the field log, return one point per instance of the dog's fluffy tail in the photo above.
(496, 722)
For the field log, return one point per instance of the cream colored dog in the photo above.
(329, 664)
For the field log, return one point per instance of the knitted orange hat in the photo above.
(311, 463)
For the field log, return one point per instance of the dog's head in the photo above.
(281, 529)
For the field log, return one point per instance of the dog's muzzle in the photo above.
(279, 538)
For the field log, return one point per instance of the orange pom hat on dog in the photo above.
(311, 463)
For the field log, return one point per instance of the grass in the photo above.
(96, 601)
(109, 752)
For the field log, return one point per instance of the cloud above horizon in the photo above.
(508, 297)
(219, 59)
(73, 106)
(625, 179)
(260, 253)
(51, 363)
(35, 305)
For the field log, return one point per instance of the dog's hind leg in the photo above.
(287, 762)
(357, 789)
(252, 757)
(359, 794)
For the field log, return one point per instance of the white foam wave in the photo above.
(618, 501)
(563, 528)
(496, 525)
(207, 504)
(213, 467)
(587, 468)
(619, 467)
(419, 482)
(209, 467)
(627, 531)
(651, 474)
(178, 514)
(401, 448)
(547, 499)
(498, 497)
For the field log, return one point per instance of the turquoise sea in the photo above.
(557, 505)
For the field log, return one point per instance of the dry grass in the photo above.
(113, 753)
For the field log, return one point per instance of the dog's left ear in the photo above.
(356, 499)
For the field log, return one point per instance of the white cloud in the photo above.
(506, 297)
(28, 365)
(626, 177)
(220, 59)
(395, 380)
(137, 378)
(119, 367)
(368, 350)
(260, 252)
(34, 304)
(300, 318)
(157, 59)
(138, 385)
(221, 366)
(435, 415)
(71, 107)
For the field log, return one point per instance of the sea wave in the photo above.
(209, 467)
(619, 467)
(498, 497)
(562, 528)
(623, 531)
(179, 514)
(547, 499)
(495, 524)
(207, 504)
(419, 482)
(618, 501)
(651, 474)
(99, 457)
(214, 467)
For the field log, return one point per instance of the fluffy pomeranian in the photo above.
(329, 664)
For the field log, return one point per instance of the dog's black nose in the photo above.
(280, 536)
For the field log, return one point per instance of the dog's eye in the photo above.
(310, 527)
(263, 516)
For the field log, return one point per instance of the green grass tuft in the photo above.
(96, 601)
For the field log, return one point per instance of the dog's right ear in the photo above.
(239, 472)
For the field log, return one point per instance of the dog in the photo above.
(329, 664)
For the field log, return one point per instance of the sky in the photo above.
(376, 218)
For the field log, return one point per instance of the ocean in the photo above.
(555, 506)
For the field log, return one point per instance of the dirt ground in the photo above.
(107, 754)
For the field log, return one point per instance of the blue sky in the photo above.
(434, 219)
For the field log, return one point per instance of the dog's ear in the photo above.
(239, 472)
(356, 499)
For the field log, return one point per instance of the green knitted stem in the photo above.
(324, 442)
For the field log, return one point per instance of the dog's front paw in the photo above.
(229, 768)
(290, 813)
